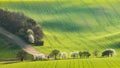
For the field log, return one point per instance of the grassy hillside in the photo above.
(8, 49)
(74, 26)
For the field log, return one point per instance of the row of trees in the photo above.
(18, 24)
(85, 54)
(56, 54)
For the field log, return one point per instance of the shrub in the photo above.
(74, 54)
(84, 54)
(95, 53)
(108, 52)
(63, 55)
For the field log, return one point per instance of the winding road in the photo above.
(26, 47)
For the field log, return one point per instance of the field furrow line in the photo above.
(93, 14)
(107, 63)
(108, 18)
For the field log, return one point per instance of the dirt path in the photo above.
(26, 47)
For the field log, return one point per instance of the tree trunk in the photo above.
(22, 59)
(55, 57)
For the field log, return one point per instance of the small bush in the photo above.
(95, 53)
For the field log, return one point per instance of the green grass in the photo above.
(8, 49)
(74, 63)
(74, 26)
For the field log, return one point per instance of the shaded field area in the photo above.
(8, 49)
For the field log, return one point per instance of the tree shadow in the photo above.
(114, 45)
(9, 44)
(64, 26)
(53, 7)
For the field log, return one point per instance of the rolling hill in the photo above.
(73, 26)
(9, 49)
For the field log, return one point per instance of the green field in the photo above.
(9, 49)
(74, 63)
(84, 25)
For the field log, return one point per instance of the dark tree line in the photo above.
(18, 24)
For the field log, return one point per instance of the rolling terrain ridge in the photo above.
(84, 25)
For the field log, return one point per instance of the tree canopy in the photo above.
(18, 24)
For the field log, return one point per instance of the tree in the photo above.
(109, 52)
(80, 54)
(17, 23)
(55, 53)
(84, 54)
(21, 55)
(95, 53)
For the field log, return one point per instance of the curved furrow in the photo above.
(83, 64)
(115, 61)
(114, 8)
(115, 11)
(76, 43)
(112, 63)
(98, 20)
(95, 43)
(107, 63)
(95, 17)
(68, 64)
(61, 43)
(108, 18)
(92, 65)
(58, 41)
(73, 41)
(88, 25)
(88, 64)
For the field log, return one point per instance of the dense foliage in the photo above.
(54, 53)
(18, 24)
